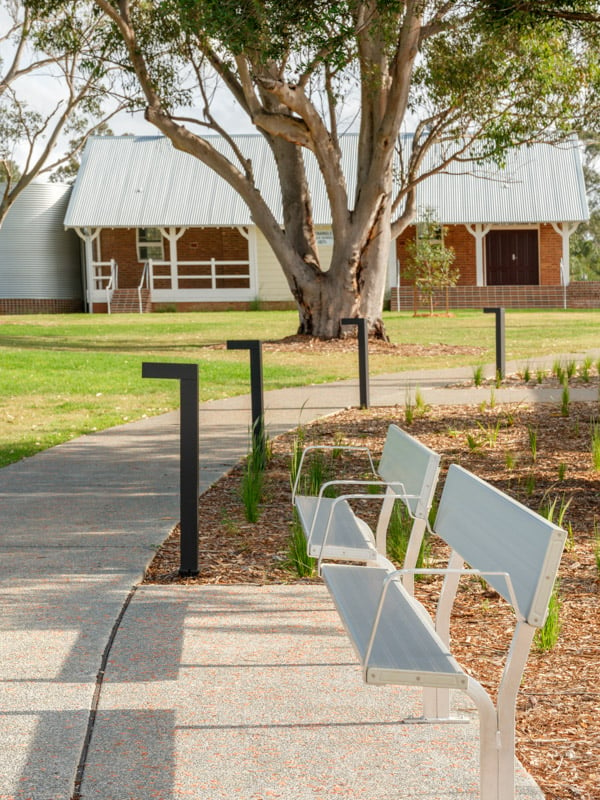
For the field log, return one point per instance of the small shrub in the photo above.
(409, 409)
(298, 560)
(510, 460)
(558, 371)
(562, 471)
(571, 369)
(540, 375)
(597, 547)
(585, 369)
(554, 512)
(490, 432)
(527, 373)
(595, 445)
(421, 407)
(398, 536)
(566, 398)
(546, 637)
(297, 447)
(473, 442)
(532, 436)
(252, 487)
(478, 375)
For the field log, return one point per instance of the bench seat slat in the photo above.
(405, 650)
(349, 537)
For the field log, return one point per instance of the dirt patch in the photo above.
(535, 454)
(311, 345)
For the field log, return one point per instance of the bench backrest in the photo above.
(410, 462)
(492, 532)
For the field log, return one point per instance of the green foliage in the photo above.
(553, 512)
(595, 445)
(252, 486)
(398, 536)
(585, 369)
(565, 401)
(532, 437)
(429, 261)
(478, 375)
(597, 547)
(546, 637)
(298, 560)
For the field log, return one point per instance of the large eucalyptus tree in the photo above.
(457, 73)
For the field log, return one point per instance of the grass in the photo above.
(398, 535)
(546, 637)
(597, 548)
(65, 375)
(298, 561)
(595, 445)
(532, 436)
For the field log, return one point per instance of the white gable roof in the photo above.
(142, 181)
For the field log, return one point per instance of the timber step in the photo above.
(126, 301)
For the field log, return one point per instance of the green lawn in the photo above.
(64, 375)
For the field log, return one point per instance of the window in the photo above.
(150, 244)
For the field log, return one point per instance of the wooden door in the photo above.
(512, 258)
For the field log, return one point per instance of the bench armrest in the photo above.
(396, 577)
(309, 448)
(381, 497)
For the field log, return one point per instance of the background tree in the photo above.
(585, 242)
(62, 49)
(471, 86)
(430, 262)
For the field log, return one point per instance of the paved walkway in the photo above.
(207, 692)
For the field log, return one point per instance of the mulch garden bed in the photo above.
(539, 454)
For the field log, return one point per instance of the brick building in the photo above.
(162, 230)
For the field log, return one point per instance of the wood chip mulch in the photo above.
(558, 714)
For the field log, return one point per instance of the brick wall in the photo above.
(550, 255)
(459, 239)
(463, 243)
(196, 244)
(32, 306)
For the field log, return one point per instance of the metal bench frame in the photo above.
(397, 642)
(407, 472)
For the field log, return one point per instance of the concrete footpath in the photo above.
(110, 691)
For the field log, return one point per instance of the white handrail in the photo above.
(113, 282)
(145, 279)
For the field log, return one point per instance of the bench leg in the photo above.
(496, 749)
(436, 708)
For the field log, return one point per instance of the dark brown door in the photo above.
(511, 258)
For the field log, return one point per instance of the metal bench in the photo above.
(407, 471)
(517, 552)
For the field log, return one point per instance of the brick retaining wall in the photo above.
(32, 306)
(578, 295)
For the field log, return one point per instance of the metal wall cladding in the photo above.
(142, 181)
(38, 258)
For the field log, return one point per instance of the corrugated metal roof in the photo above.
(38, 258)
(538, 183)
(142, 181)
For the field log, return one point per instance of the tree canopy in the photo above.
(470, 79)
(66, 49)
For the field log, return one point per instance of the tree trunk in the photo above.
(354, 285)
(372, 278)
